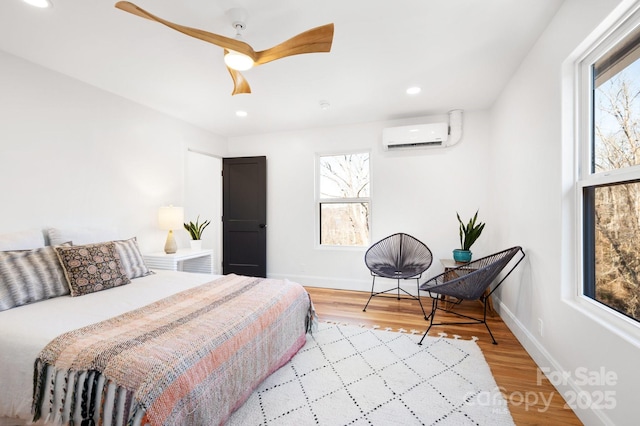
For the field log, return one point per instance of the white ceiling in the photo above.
(460, 52)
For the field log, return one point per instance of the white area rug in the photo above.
(347, 375)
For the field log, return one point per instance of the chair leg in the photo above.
(373, 283)
(485, 322)
(476, 321)
(419, 301)
(434, 307)
(491, 334)
(373, 293)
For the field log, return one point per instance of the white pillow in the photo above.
(81, 236)
(22, 240)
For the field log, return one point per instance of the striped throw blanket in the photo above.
(189, 359)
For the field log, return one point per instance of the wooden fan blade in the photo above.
(315, 40)
(240, 84)
(218, 40)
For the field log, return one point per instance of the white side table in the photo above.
(187, 260)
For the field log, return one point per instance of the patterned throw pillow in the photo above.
(92, 267)
(131, 258)
(28, 276)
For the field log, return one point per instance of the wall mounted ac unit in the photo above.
(434, 135)
(418, 136)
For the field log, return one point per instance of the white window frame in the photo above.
(578, 92)
(319, 200)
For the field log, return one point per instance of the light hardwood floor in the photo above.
(532, 398)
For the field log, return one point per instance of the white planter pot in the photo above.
(196, 244)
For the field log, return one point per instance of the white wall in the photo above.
(203, 198)
(73, 155)
(535, 205)
(417, 192)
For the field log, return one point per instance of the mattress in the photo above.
(26, 330)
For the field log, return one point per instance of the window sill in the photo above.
(619, 324)
(341, 248)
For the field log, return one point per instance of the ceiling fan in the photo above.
(239, 56)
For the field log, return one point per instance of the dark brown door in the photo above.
(244, 216)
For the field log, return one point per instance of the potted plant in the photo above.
(195, 231)
(469, 233)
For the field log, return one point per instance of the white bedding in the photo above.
(26, 330)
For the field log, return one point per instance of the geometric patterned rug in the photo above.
(348, 375)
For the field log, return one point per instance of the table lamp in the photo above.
(170, 218)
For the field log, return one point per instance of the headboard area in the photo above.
(78, 236)
(22, 240)
(37, 265)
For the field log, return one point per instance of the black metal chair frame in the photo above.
(443, 285)
(397, 266)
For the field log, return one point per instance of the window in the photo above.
(344, 199)
(609, 180)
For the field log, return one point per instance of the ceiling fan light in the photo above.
(237, 61)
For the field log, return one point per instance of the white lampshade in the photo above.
(237, 61)
(170, 218)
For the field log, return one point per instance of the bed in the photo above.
(166, 348)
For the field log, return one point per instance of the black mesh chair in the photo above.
(401, 257)
(469, 281)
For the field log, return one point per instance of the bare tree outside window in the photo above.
(616, 206)
(344, 199)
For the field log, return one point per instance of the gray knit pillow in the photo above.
(131, 258)
(28, 276)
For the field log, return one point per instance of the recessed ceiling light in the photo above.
(241, 113)
(39, 3)
(325, 105)
(413, 90)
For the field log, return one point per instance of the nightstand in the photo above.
(187, 260)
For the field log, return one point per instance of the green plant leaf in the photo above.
(195, 229)
(470, 232)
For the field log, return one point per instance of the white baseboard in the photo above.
(342, 284)
(543, 358)
(325, 282)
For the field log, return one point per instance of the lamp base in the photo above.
(170, 245)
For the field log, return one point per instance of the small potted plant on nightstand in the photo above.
(195, 231)
(469, 233)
